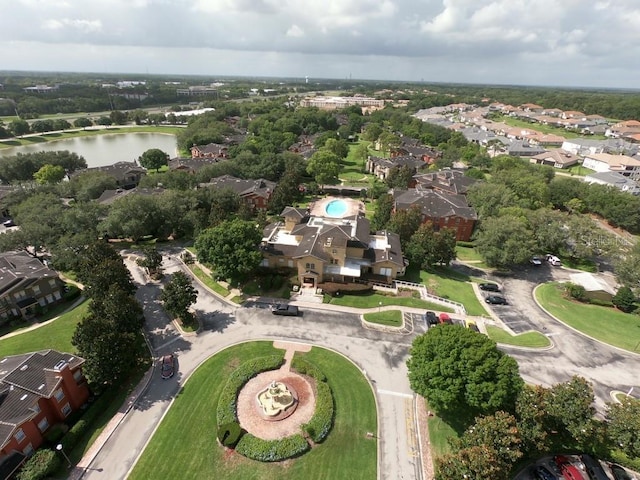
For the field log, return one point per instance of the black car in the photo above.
(489, 287)
(619, 473)
(593, 467)
(432, 318)
(284, 309)
(496, 300)
(542, 473)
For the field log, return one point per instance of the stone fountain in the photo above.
(276, 399)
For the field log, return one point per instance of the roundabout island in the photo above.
(256, 407)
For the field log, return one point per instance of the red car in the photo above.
(445, 318)
(167, 366)
(568, 470)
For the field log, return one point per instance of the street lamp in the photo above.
(61, 450)
(379, 306)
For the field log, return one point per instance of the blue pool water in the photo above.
(336, 208)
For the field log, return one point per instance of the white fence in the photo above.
(397, 284)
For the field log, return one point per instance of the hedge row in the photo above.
(226, 412)
(40, 465)
(320, 424)
(305, 368)
(271, 450)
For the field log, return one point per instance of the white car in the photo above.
(553, 260)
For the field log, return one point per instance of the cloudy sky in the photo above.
(528, 42)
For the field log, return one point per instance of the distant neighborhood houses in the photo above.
(616, 151)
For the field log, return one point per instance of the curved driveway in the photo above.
(606, 367)
(381, 356)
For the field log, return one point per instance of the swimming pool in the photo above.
(336, 208)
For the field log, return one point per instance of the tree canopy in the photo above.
(178, 295)
(231, 247)
(153, 159)
(455, 368)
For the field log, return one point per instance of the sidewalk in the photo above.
(83, 465)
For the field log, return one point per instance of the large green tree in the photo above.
(405, 223)
(231, 247)
(324, 165)
(178, 295)
(455, 369)
(49, 174)
(506, 240)
(623, 426)
(428, 247)
(382, 215)
(153, 159)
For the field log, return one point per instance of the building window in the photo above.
(59, 394)
(57, 295)
(66, 410)
(42, 302)
(43, 424)
(28, 450)
(49, 298)
(36, 289)
(20, 436)
(77, 375)
(334, 261)
(385, 271)
(264, 262)
(36, 408)
(52, 282)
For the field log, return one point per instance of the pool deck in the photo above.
(353, 207)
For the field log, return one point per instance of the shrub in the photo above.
(41, 465)
(229, 434)
(354, 289)
(575, 291)
(226, 412)
(465, 244)
(320, 424)
(71, 292)
(306, 368)
(600, 303)
(271, 450)
(624, 299)
(70, 440)
(55, 433)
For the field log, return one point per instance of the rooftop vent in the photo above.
(23, 368)
(41, 387)
(60, 365)
(24, 396)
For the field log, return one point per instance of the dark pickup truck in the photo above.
(284, 309)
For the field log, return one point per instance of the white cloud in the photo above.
(295, 31)
(84, 26)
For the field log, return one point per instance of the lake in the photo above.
(106, 149)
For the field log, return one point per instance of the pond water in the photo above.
(106, 149)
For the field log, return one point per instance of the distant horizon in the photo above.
(11, 72)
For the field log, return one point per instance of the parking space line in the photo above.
(395, 394)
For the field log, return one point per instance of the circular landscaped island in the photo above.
(325, 409)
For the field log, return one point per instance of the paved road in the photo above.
(381, 356)
(608, 368)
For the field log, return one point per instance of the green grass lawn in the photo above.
(185, 447)
(391, 318)
(440, 433)
(514, 122)
(372, 300)
(605, 324)
(449, 284)
(56, 335)
(580, 170)
(208, 281)
(353, 169)
(471, 255)
(528, 339)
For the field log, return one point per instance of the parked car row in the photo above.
(433, 319)
(493, 299)
(551, 259)
(577, 467)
